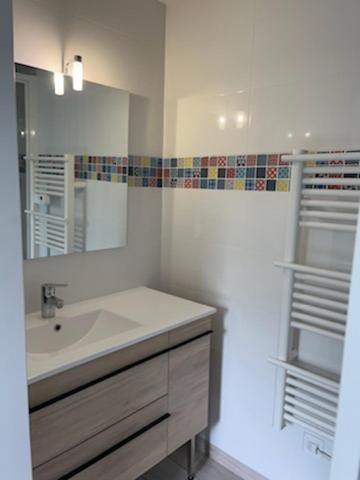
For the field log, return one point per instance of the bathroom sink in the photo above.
(70, 332)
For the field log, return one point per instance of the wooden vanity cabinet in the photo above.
(114, 418)
(70, 421)
(188, 391)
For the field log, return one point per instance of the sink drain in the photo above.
(57, 327)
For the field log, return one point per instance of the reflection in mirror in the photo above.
(73, 165)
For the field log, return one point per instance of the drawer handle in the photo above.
(50, 402)
(114, 448)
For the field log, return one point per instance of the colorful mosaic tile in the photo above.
(234, 172)
(149, 172)
(239, 185)
(241, 161)
(260, 185)
(212, 172)
(229, 184)
(260, 173)
(271, 173)
(101, 168)
(283, 185)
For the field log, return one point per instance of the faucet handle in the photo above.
(48, 289)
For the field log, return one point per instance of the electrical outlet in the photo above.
(312, 444)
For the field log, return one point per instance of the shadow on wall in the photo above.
(171, 119)
(216, 365)
(216, 369)
(203, 441)
(197, 295)
(216, 362)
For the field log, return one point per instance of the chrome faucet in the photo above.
(49, 301)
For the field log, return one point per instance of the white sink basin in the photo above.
(71, 332)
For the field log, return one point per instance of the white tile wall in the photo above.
(304, 40)
(208, 111)
(297, 68)
(218, 248)
(296, 64)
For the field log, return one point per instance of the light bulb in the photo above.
(77, 73)
(59, 83)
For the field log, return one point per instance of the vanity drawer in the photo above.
(130, 460)
(45, 390)
(65, 423)
(97, 445)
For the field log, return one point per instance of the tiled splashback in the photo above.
(106, 169)
(145, 171)
(266, 172)
(251, 172)
(138, 171)
(242, 172)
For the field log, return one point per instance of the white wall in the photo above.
(288, 67)
(122, 44)
(14, 429)
(106, 214)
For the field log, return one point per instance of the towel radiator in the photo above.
(50, 181)
(325, 195)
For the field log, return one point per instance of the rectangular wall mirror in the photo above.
(73, 164)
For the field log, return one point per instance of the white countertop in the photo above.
(156, 312)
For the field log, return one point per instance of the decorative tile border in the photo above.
(106, 169)
(242, 172)
(265, 172)
(145, 171)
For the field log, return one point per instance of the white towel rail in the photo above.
(332, 169)
(291, 420)
(329, 226)
(314, 415)
(321, 272)
(330, 215)
(332, 181)
(312, 192)
(319, 311)
(330, 204)
(298, 371)
(51, 222)
(323, 281)
(320, 301)
(323, 292)
(325, 195)
(317, 392)
(318, 401)
(321, 157)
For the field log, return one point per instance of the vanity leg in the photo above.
(191, 459)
